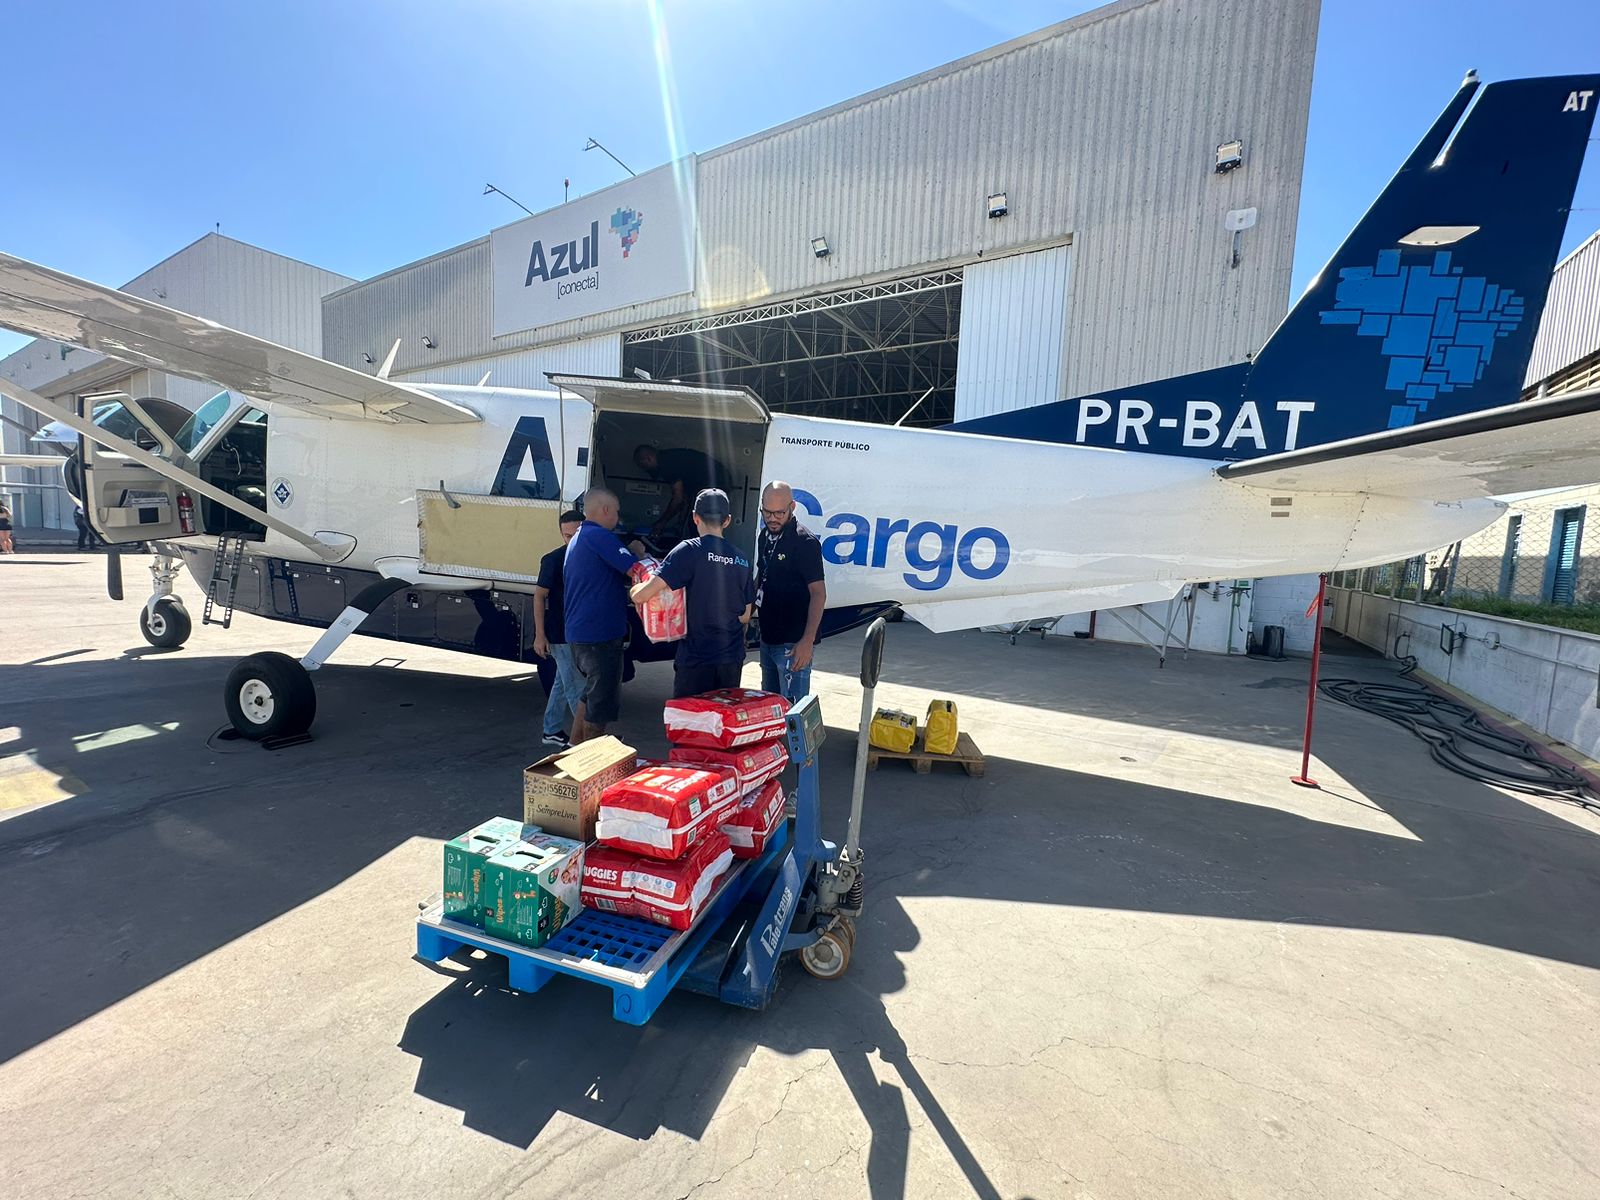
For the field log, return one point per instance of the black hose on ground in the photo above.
(1459, 741)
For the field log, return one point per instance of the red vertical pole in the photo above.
(1304, 778)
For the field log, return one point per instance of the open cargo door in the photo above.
(650, 397)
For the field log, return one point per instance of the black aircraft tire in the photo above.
(269, 695)
(169, 626)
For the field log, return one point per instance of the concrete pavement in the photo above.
(1131, 961)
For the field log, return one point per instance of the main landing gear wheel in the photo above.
(270, 695)
(827, 957)
(168, 626)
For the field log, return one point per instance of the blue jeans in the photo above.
(565, 692)
(777, 676)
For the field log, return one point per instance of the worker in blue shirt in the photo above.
(595, 606)
(719, 598)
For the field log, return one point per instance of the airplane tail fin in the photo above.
(1430, 308)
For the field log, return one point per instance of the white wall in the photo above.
(1283, 600)
(1214, 615)
(1013, 324)
(1543, 676)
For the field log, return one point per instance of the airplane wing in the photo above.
(31, 460)
(44, 303)
(1521, 447)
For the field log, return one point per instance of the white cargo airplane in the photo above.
(1378, 422)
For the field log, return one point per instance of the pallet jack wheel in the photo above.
(847, 926)
(827, 957)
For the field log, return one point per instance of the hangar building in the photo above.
(1037, 221)
(1050, 217)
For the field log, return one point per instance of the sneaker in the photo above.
(559, 740)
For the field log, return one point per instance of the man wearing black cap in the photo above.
(719, 597)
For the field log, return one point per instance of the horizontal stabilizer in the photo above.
(43, 303)
(1523, 447)
(946, 616)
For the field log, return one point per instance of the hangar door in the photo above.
(869, 353)
(1013, 332)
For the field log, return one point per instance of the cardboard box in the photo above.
(464, 858)
(561, 794)
(531, 888)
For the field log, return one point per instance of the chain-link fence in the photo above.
(1535, 554)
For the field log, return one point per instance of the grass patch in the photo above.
(1584, 617)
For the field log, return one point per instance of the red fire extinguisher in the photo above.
(185, 513)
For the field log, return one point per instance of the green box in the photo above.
(464, 858)
(530, 889)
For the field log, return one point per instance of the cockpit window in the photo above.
(196, 427)
(116, 419)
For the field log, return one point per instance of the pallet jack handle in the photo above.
(871, 666)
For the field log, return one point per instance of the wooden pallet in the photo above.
(967, 756)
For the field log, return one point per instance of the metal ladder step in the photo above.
(224, 584)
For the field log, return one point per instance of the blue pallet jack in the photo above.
(803, 895)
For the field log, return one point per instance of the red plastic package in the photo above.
(725, 719)
(665, 617)
(663, 811)
(667, 893)
(754, 821)
(753, 764)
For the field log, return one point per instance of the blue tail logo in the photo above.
(1438, 325)
(1428, 311)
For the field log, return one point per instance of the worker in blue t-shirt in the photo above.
(595, 606)
(719, 598)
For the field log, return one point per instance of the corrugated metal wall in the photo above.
(1569, 331)
(526, 368)
(1013, 324)
(1102, 129)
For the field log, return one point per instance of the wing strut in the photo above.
(188, 479)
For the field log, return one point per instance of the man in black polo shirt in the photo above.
(790, 594)
(550, 637)
(720, 599)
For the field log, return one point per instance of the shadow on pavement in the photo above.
(152, 867)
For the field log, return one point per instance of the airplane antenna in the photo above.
(594, 145)
(489, 187)
(388, 363)
(484, 382)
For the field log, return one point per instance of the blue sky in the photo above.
(359, 136)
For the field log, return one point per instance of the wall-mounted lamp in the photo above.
(427, 343)
(819, 247)
(997, 205)
(1230, 156)
(367, 358)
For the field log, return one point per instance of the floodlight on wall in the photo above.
(427, 343)
(367, 358)
(997, 205)
(819, 247)
(1230, 156)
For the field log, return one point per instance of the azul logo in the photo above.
(625, 224)
(564, 258)
(932, 551)
(1438, 326)
(282, 492)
